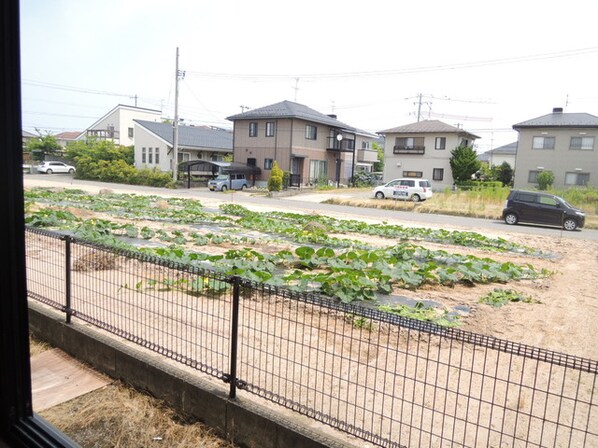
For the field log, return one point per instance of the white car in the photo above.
(55, 167)
(407, 189)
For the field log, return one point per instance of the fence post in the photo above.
(234, 339)
(67, 308)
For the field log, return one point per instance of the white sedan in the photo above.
(55, 167)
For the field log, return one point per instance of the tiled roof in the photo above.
(67, 135)
(510, 148)
(191, 136)
(289, 109)
(560, 119)
(427, 127)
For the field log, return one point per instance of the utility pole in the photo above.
(419, 108)
(175, 139)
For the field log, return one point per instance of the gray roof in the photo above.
(199, 137)
(560, 119)
(510, 148)
(427, 127)
(289, 109)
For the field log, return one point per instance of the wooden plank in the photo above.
(56, 377)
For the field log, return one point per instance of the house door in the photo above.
(296, 171)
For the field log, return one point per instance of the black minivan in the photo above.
(541, 208)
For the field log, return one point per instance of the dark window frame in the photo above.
(442, 141)
(19, 426)
(270, 128)
(413, 174)
(253, 129)
(545, 140)
(311, 132)
(435, 173)
(268, 163)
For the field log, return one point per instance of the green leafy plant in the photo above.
(423, 313)
(499, 297)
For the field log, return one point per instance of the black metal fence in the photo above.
(388, 380)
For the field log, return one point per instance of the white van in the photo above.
(408, 189)
(224, 182)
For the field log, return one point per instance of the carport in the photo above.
(216, 168)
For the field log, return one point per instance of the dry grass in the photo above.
(456, 204)
(119, 416)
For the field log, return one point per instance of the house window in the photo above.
(532, 177)
(577, 178)
(150, 155)
(413, 174)
(253, 129)
(251, 162)
(464, 142)
(318, 170)
(543, 143)
(582, 143)
(365, 145)
(270, 129)
(183, 157)
(130, 132)
(157, 155)
(440, 143)
(311, 132)
(438, 174)
(268, 164)
(143, 155)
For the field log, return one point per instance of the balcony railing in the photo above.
(345, 145)
(400, 149)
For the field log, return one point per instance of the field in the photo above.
(534, 290)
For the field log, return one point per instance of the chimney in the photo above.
(557, 110)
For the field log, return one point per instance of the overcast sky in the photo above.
(482, 65)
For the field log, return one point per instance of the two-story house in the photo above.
(117, 125)
(423, 150)
(312, 146)
(564, 143)
(154, 144)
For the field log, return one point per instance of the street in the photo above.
(310, 202)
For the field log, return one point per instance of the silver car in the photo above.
(224, 182)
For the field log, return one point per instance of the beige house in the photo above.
(117, 125)
(312, 146)
(423, 150)
(564, 143)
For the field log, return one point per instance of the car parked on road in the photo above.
(224, 182)
(405, 188)
(55, 167)
(541, 208)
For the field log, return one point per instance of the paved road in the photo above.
(310, 202)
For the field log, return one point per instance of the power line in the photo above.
(410, 70)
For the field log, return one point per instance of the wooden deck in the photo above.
(56, 377)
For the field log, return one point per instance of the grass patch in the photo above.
(487, 204)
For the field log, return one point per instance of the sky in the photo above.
(479, 65)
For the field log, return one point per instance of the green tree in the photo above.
(545, 179)
(464, 163)
(42, 145)
(504, 173)
(92, 156)
(379, 164)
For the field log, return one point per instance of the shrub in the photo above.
(545, 180)
(276, 176)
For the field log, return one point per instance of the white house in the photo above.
(117, 125)
(154, 144)
(423, 150)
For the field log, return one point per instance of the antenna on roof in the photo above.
(244, 108)
(296, 88)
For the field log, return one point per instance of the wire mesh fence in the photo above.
(388, 380)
